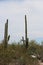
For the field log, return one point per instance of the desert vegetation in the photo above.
(19, 55)
(27, 53)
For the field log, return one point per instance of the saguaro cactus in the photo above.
(6, 39)
(26, 39)
(6, 35)
(23, 39)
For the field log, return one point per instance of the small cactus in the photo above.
(23, 39)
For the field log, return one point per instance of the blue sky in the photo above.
(14, 11)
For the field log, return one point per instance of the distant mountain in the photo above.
(39, 40)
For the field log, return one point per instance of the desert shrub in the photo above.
(17, 53)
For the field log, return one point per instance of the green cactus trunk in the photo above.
(6, 35)
(26, 39)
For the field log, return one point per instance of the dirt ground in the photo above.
(40, 63)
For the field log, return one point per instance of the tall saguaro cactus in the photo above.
(26, 39)
(6, 35)
(6, 39)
